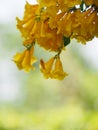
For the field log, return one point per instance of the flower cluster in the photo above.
(52, 24)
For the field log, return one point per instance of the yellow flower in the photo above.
(52, 13)
(87, 25)
(96, 2)
(52, 41)
(46, 67)
(91, 2)
(40, 29)
(65, 25)
(47, 3)
(52, 24)
(65, 5)
(72, 3)
(26, 24)
(25, 60)
(68, 22)
(18, 58)
(51, 69)
(58, 72)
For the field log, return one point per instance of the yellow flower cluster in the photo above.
(52, 24)
(51, 69)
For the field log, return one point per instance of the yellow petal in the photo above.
(58, 72)
(18, 58)
(25, 60)
(46, 67)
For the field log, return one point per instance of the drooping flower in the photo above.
(46, 68)
(26, 24)
(18, 58)
(53, 68)
(25, 60)
(58, 72)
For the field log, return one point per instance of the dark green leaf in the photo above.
(66, 40)
(82, 6)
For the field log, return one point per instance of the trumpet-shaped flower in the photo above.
(25, 60)
(58, 72)
(53, 69)
(25, 26)
(46, 68)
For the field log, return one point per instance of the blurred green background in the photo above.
(30, 102)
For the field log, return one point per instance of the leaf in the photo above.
(82, 6)
(66, 40)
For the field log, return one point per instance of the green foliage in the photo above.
(62, 118)
(66, 40)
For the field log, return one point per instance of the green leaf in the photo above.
(66, 40)
(82, 6)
